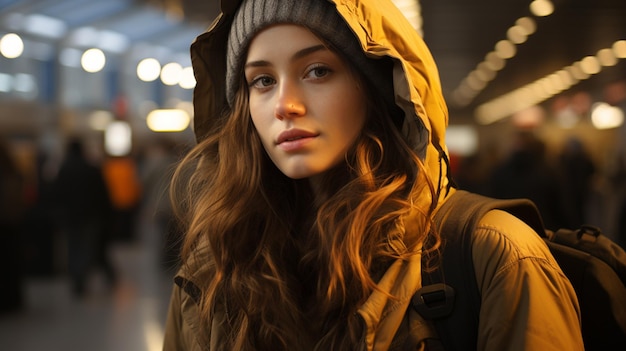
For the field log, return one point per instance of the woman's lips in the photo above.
(294, 139)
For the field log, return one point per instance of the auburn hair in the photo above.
(291, 267)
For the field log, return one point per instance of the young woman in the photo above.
(319, 165)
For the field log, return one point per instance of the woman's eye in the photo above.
(318, 72)
(262, 82)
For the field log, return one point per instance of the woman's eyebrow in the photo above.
(308, 51)
(299, 54)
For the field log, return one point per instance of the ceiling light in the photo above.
(11, 46)
(619, 47)
(45, 26)
(527, 24)
(171, 73)
(606, 57)
(505, 49)
(148, 69)
(168, 120)
(605, 116)
(118, 138)
(494, 61)
(541, 8)
(187, 81)
(93, 60)
(462, 140)
(590, 65)
(516, 34)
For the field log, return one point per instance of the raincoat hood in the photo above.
(382, 30)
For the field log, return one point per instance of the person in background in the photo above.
(84, 210)
(308, 200)
(526, 173)
(576, 172)
(12, 211)
(121, 176)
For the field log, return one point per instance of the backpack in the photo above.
(594, 264)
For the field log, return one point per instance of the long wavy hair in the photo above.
(288, 266)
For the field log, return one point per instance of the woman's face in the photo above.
(305, 102)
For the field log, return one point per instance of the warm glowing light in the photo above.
(576, 71)
(590, 65)
(118, 138)
(505, 49)
(484, 72)
(148, 69)
(168, 120)
(187, 81)
(93, 60)
(541, 8)
(605, 116)
(606, 57)
(494, 61)
(462, 140)
(619, 48)
(171, 73)
(527, 24)
(516, 34)
(11, 46)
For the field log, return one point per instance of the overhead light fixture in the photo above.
(171, 73)
(188, 80)
(44, 26)
(462, 140)
(544, 88)
(148, 69)
(168, 120)
(11, 46)
(605, 116)
(118, 138)
(93, 60)
(541, 8)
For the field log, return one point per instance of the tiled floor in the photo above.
(128, 317)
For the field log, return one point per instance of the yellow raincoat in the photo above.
(527, 302)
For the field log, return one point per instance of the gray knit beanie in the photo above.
(319, 16)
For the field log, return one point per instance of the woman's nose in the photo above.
(289, 103)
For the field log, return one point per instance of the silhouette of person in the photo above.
(85, 211)
(525, 173)
(576, 172)
(12, 206)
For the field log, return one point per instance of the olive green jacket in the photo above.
(527, 302)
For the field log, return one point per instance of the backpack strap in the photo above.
(449, 296)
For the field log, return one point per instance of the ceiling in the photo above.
(459, 33)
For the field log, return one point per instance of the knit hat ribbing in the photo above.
(319, 16)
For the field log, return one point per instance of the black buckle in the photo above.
(434, 301)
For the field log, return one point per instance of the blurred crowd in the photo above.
(570, 188)
(60, 217)
(64, 220)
